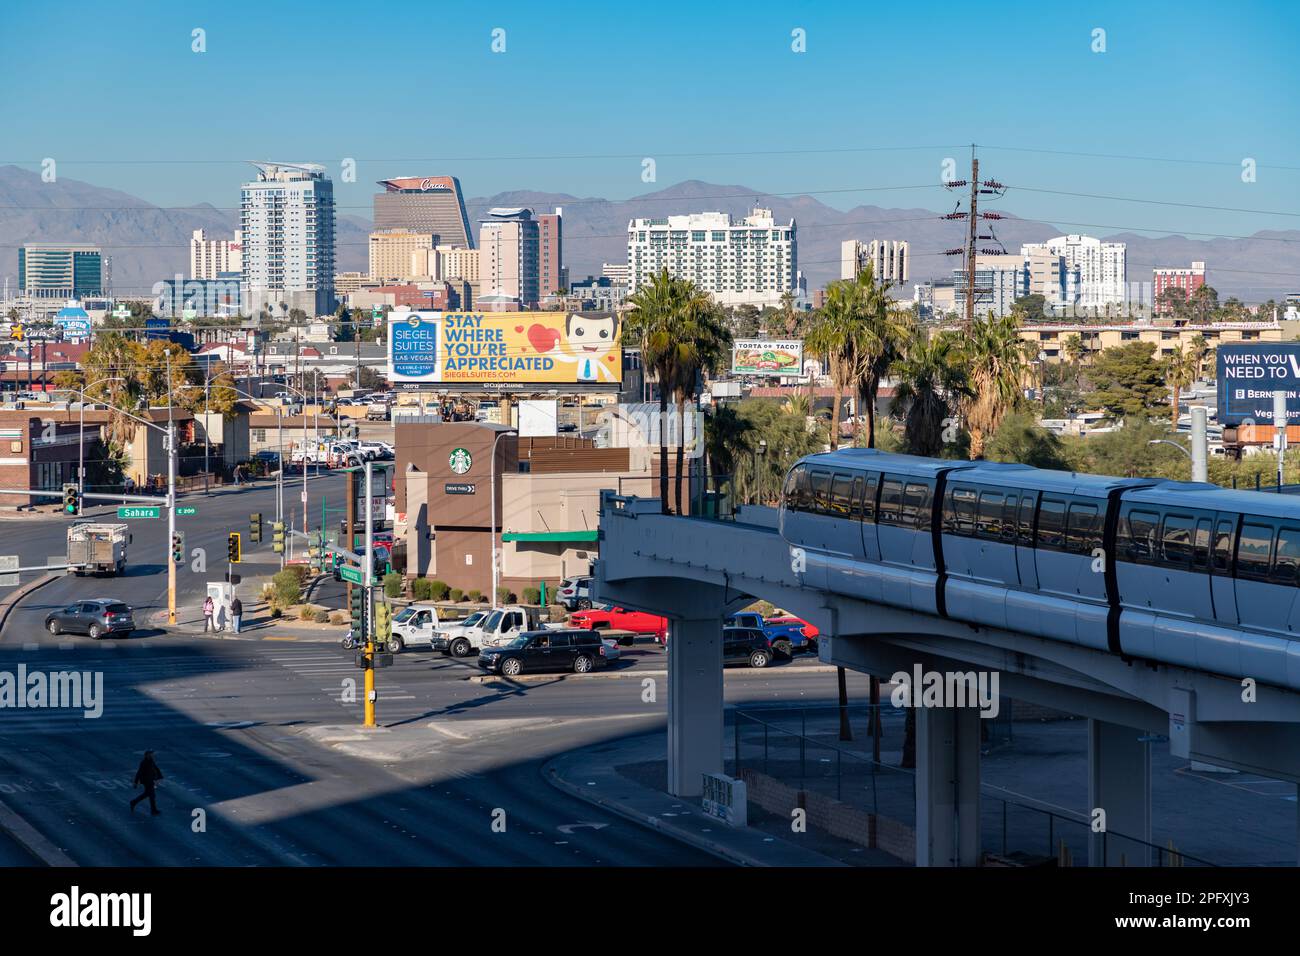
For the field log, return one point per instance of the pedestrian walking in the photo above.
(209, 608)
(147, 775)
(236, 612)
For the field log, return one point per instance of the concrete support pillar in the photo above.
(947, 786)
(694, 704)
(1119, 782)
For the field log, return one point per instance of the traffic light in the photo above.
(277, 537)
(255, 527)
(233, 551)
(358, 607)
(383, 622)
(71, 500)
(178, 547)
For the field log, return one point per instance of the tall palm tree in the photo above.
(834, 333)
(1180, 368)
(997, 361)
(650, 324)
(703, 342)
(931, 381)
(726, 439)
(884, 334)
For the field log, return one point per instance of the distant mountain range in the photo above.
(148, 244)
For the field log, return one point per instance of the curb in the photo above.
(630, 674)
(26, 836)
(12, 601)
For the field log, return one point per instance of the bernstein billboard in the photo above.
(504, 348)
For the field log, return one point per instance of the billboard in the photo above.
(1249, 374)
(760, 357)
(502, 348)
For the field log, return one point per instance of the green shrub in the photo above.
(422, 589)
(475, 595)
(439, 590)
(457, 595)
(392, 584)
(306, 612)
(532, 595)
(322, 616)
(286, 587)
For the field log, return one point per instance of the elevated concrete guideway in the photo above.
(695, 571)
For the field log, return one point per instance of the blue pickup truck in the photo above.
(788, 635)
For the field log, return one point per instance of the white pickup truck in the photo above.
(503, 624)
(413, 626)
(453, 638)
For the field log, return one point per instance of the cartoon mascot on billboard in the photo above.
(591, 344)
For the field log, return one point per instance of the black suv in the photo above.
(96, 617)
(746, 645)
(574, 650)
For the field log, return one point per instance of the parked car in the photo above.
(746, 645)
(788, 635)
(452, 638)
(620, 619)
(575, 593)
(547, 650)
(97, 617)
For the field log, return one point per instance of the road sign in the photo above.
(146, 511)
(186, 511)
(9, 562)
(350, 574)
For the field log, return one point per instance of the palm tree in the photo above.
(703, 341)
(931, 380)
(1180, 368)
(834, 334)
(997, 360)
(798, 403)
(886, 330)
(726, 438)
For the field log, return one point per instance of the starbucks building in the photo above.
(547, 501)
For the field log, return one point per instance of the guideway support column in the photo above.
(947, 786)
(1119, 782)
(694, 704)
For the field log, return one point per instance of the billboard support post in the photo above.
(1279, 425)
(1200, 444)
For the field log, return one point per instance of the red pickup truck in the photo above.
(620, 619)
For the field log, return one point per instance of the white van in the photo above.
(413, 626)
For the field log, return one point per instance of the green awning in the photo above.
(550, 535)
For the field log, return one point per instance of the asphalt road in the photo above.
(249, 732)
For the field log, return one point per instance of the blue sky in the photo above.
(884, 91)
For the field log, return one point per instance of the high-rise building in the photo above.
(752, 262)
(391, 249)
(888, 259)
(431, 204)
(287, 220)
(1103, 271)
(1189, 280)
(68, 271)
(617, 271)
(999, 281)
(550, 253)
(211, 257)
(508, 259)
(346, 283)
(1048, 275)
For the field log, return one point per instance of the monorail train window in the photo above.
(1177, 540)
(821, 486)
(855, 499)
(1051, 523)
(989, 523)
(796, 487)
(1009, 519)
(959, 516)
(841, 495)
(1202, 545)
(1083, 529)
(891, 501)
(1286, 560)
(1025, 527)
(1138, 536)
(869, 499)
(1223, 535)
(1253, 551)
(916, 506)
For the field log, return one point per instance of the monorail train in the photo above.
(1183, 573)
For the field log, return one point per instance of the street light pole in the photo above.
(171, 500)
(492, 481)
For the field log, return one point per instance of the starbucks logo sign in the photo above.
(460, 460)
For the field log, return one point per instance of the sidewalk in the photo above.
(614, 776)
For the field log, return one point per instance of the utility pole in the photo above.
(171, 499)
(368, 579)
(969, 250)
(972, 234)
(349, 543)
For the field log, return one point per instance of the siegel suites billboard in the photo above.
(1248, 375)
(502, 348)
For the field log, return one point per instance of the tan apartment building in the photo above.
(1050, 339)
(391, 251)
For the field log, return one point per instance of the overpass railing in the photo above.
(783, 743)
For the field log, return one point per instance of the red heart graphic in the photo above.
(519, 328)
(542, 338)
(609, 358)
